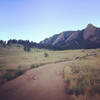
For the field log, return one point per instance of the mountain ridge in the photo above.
(88, 37)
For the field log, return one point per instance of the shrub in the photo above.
(46, 54)
(27, 49)
(34, 66)
(18, 73)
(68, 81)
(75, 90)
(69, 91)
(95, 90)
(8, 76)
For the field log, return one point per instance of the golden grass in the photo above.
(83, 77)
(14, 60)
(11, 58)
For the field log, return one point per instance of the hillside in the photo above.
(86, 38)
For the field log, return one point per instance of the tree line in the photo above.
(27, 44)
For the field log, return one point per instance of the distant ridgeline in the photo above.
(88, 38)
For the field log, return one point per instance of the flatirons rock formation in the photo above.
(86, 38)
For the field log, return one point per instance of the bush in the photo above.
(27, 49)
(95, 90)
(69, 91)
(18, 73)
(34, 66)
(68, 81)
(11, 74)
(46, 54)
(75, 90)
(8, 76)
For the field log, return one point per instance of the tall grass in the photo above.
(83, 78)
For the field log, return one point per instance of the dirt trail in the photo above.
(43, 83)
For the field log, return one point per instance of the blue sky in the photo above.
(37, 19)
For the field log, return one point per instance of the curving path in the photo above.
(43, 83)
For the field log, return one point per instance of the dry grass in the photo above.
(14, 58)
(14, 61)
(83, 77)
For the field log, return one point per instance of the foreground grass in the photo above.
(83, 77)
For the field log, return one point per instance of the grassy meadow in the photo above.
(13, 57)
(82, 73)
(83, 76)
(14, 61)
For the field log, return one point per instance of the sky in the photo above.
(36, 20)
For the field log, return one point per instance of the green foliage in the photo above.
(75, 90)
(34, 66)
(18, 73)
(8, 76)
(11, 74)
(68, 81)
